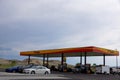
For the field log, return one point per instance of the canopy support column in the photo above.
(43, 59)
(62, 56)
(29, 59)
(85, 58)
(85, 62)
(104, 59)
(81, 59)
(47, 60)
(116, 62)
(62, 60)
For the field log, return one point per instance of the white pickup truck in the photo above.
(115, 70)
(103, 69)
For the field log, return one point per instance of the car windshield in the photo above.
(34, 67)
(38, 67)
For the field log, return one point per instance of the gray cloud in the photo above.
(31, 25)
(5, 49)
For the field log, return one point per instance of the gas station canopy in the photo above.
(72, 52)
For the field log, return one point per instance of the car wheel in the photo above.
(46, 72)
(33, 72)
(14, 71)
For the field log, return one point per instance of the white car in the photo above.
(37, 70)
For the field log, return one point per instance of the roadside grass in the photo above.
(4, 66)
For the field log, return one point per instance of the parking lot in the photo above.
(57, 76)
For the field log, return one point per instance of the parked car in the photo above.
(69, 69)
(79, 69)
(13, 69)
(76, 70)
(115, 70)
(37, 70)
(25, 67)
(53, 68)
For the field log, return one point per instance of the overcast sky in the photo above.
(47, 24)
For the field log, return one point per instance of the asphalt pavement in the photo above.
(57, 76)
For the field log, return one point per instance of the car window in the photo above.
(40, 68)
(34, 67)
(43, 68)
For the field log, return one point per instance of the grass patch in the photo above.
(12, 63)
(4, 66)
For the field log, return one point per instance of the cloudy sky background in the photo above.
(47, 24)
